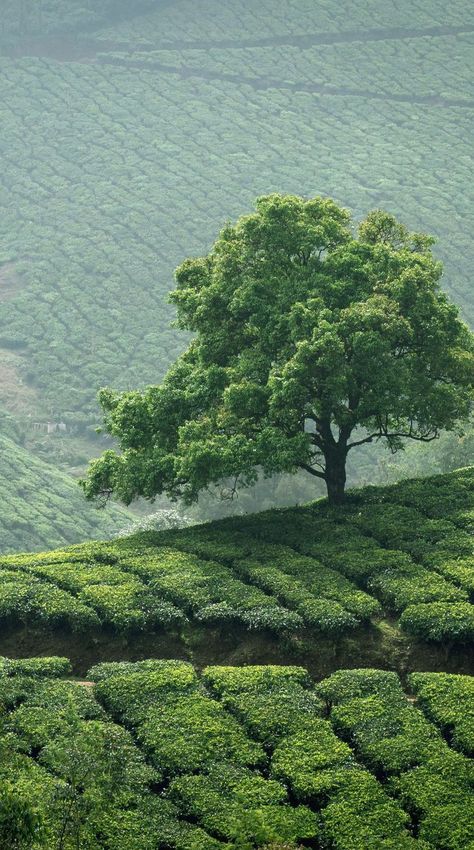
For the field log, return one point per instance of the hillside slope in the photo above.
(43, 507)
(125, 150)
(388, 580)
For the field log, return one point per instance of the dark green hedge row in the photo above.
(234, 803)
(448, 700)
(281, 570)
(156, 756)
(394, 739)
(310, 759)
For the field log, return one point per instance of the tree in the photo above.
(98, 768)
(309, 340)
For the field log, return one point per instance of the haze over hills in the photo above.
(130, 137)
(285, 677)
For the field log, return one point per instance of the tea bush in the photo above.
(129, 696)
(42, 507)
(186, 735)
(307, 570)
(270, 702)
(448, 700)
(394, 739)
(233, 757)
(229, 801)
(53, 667)
(438, 794)
(439, 621)
(226, 681)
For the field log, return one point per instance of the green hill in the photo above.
(43, 507)
(386, 580)
(165, 743)
(126, 145)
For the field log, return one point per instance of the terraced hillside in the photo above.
(387, 581)
(29, 18)
(125, 149)
(151, 755)
(42, 506)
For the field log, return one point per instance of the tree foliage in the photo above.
(309, 341)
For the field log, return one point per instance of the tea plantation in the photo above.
(387, 577)
(130, 135)
(295, 678)
(368, 746)
(151, 754)
(41, 505)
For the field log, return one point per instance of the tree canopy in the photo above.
(310, 339)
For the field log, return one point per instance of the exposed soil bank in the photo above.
(383, 647)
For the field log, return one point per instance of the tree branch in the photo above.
(369, 439)
(428, 437)
(316, 439)
(312, 471)
(421, 438)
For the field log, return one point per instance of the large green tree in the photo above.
(310, 339)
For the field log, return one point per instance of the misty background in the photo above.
(130, 132)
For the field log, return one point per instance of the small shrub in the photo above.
(254, 678)
(129, 696)
(53, 667)
(448, 700)
(440, 621)
(187, 734)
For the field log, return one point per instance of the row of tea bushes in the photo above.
(102, 165)
(42, 507)
(155, 755)
(357, 811)
(184, 731)
(396, 741)
(417, 565)
(210, 591)
(282, 570)
(242, 21)
(118, 155)
(448, 701)
(81, 596)
(74, 775)
(413, 69)
(307, 756)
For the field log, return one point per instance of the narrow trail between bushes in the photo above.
(68, 49)
(262, 83)
(310, 39)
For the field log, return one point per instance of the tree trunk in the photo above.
(335, 475)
